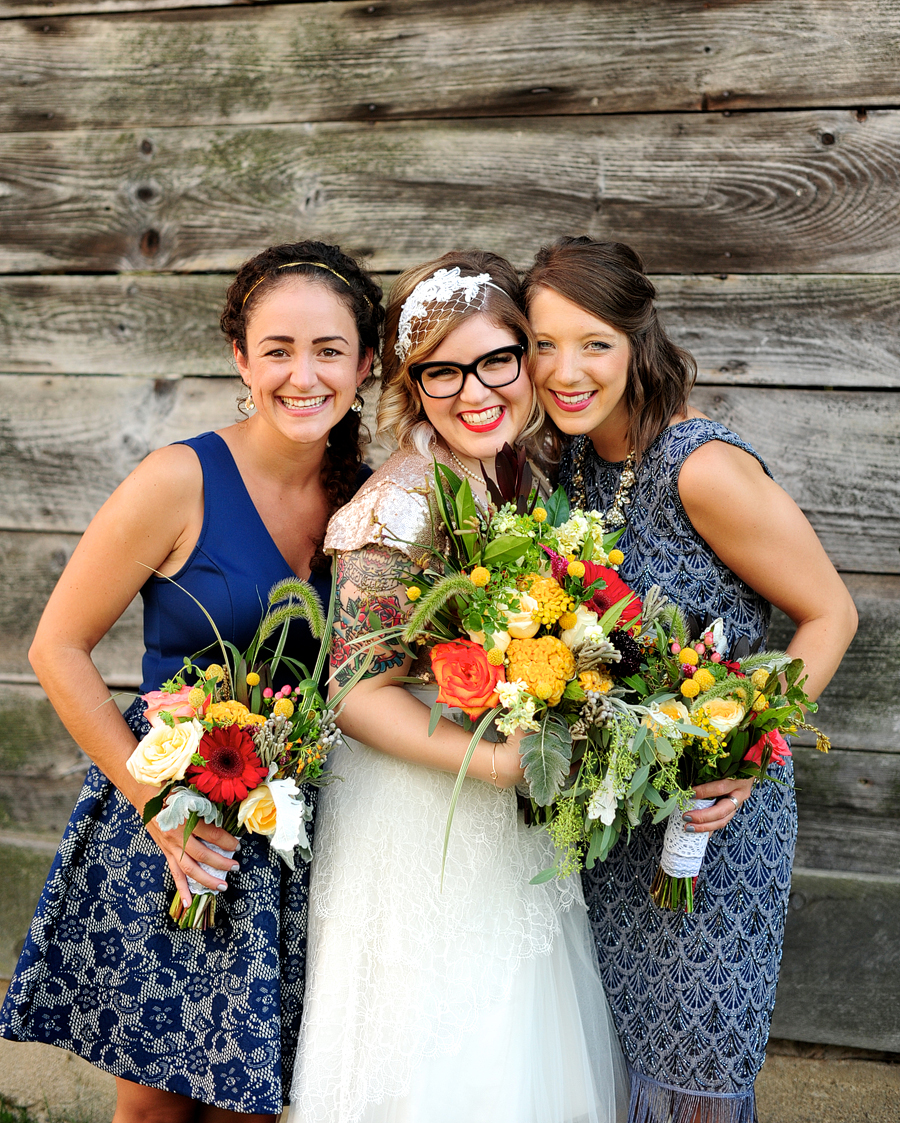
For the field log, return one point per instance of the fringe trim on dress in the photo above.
(655, 1102)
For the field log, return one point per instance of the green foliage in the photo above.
(546, 757)
(434, 601)
(557, 508)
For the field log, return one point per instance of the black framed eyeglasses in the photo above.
(497, 368)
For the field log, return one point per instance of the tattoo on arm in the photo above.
(369, 581)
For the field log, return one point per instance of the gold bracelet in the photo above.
(494, 765)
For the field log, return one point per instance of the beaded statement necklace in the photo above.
(615, 516)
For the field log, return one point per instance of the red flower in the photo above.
(464, 676)
(603, 599)
(232, 767)
(772, 743)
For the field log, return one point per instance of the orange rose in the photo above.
(464, 676)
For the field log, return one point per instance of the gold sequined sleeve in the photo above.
(391, 509)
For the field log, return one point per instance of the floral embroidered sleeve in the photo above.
(369, 581)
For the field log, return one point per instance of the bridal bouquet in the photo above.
(227, 747)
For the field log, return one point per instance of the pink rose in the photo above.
(773, 745)
(176, 704)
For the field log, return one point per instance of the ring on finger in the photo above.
(737, 805)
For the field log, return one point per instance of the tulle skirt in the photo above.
(479, 1001)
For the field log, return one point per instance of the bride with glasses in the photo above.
(479, 1001)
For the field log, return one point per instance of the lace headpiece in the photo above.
(446, 288)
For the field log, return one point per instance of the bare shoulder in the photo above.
(174, 470)
(717, 469)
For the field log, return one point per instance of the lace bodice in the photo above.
(660, 544)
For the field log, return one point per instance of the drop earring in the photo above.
(249, 404)
(357, 405)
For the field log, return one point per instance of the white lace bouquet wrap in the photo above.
(683, 852)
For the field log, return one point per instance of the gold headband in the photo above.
(317, 264)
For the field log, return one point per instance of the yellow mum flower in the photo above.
(616, 557)
(760, 703)
(551, 598)
(759, 678)
(594, 682)
(228, 713)
(545, 665)
(688, 655)
(495, 657)
(413, 592)
(252, 678)
(689, 688)
(704, 678)
(254, 719)
(480, 576)
(196, 697)
(214, 671)
(575, 569)
(284, 707)
(539, 515)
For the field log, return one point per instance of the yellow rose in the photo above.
(677, 711)
(724, 714)
(522, 624)
(165, 753)
(257, 811)
(584, 619)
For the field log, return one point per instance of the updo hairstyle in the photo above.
(607, 279)
(400, 414)
(361, 295)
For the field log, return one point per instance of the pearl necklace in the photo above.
(472, 475)
(615, 516)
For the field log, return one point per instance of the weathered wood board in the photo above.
(788, 330)
(840, 976)
(71, 440)
(413, 58)
(813, 191)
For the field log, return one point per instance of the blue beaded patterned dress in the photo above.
(692, 995)
(104, 973)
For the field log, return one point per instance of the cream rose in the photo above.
(165, 753)
(498, 639)
(724, 714)
(522, 624)
(585, 618)
(257, 812)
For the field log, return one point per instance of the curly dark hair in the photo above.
(329, 266)
(607, 279)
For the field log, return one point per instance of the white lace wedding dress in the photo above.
(476, 1003)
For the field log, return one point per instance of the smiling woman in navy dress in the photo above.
(190, 1022)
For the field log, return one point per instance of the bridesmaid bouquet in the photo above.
(227, 747)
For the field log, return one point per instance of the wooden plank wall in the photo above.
(748, 148)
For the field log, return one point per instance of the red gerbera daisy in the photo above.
(614, 590)
(232, 767)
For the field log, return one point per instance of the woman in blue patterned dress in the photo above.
(692, 994)
(196, 1025)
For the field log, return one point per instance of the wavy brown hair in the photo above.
(607, 279)
(400, 413)
(361, 295)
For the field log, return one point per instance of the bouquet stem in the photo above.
(200, 914)
(682, 856)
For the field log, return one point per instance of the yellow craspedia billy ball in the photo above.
(616, 557)
(413, 592)
(284, 707)
(495, 657)
(196, 697)
(480, 576)
(567, 620)
(688, 655)
(539, 515)
(214, 671)
(760, 703)
(759, 678)
(704, 678)
(689, 688)
(252, 678)
(575, 569)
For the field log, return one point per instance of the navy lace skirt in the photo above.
(106, 974)
(692, 995)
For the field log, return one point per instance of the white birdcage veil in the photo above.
(435, 299)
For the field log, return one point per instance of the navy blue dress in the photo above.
(104, 972)
(691, 994)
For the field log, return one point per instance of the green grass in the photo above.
(14, 1113)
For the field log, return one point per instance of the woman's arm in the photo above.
(763, 537)
(147, 523)
(380, 712)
